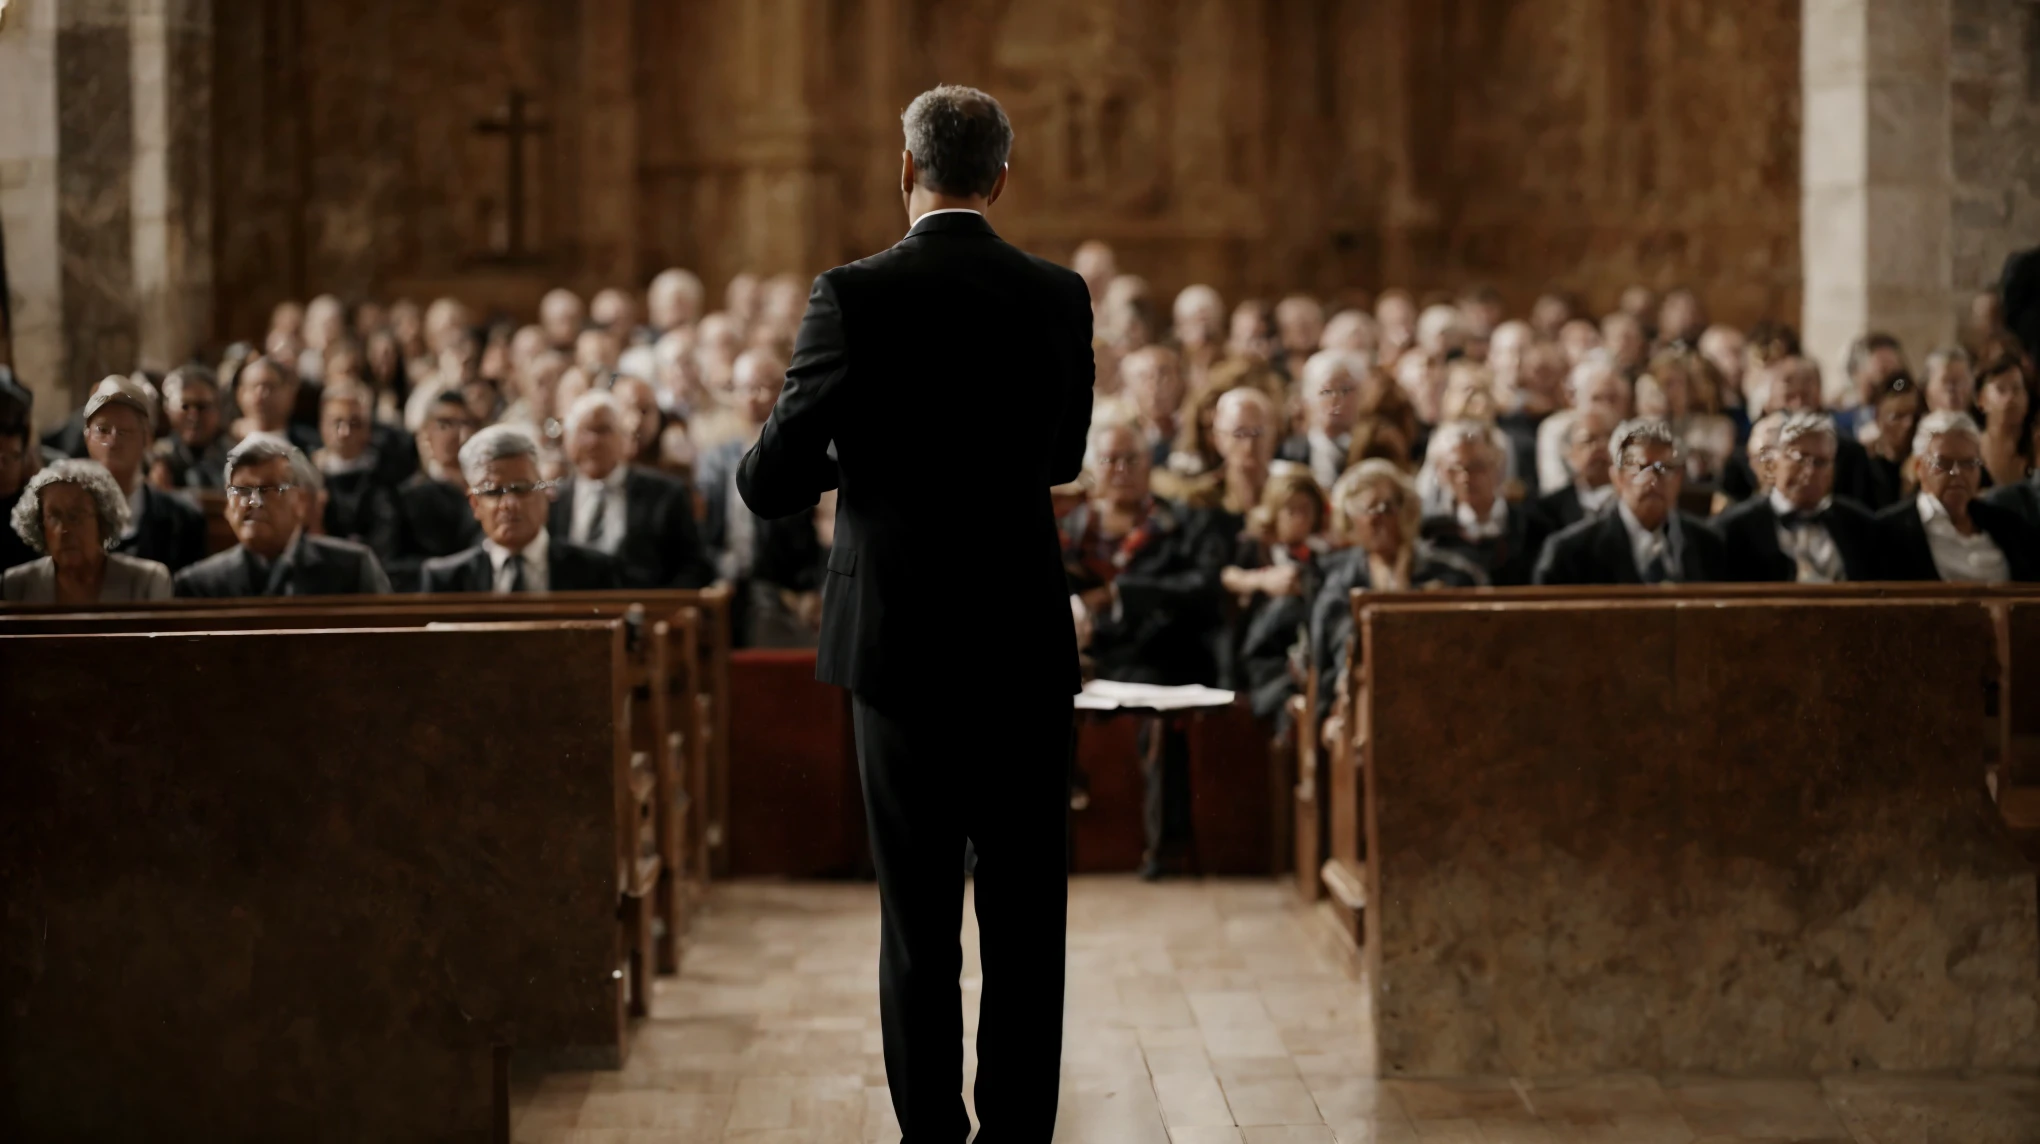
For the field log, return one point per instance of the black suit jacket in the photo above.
(361, 508)
(1508, 559)
(1166, 625)
(317, 566)
(1749, 536)
(1597, 551)
(1905, 554)
(568, 568)
(172, 532)
(661, 545)
(1558, 509)
(433, 519)
(940, 552)
(13, 549)
(2022, 498)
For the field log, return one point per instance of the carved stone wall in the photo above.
(1994, 123)
(1260, 145)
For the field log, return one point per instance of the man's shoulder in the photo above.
(448, 564)
(174, 505)
(1705, 534)
(653, 482)
(214, 569)
(1736, 515)
(1582, 532)
(338, 551)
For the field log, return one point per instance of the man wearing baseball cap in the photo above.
(120, 421)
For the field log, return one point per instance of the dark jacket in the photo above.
(661, 547)
(568, 568)
(1749, 536)
(13, 550)
(1561, 509)
(1165, 627)
(171, 531)
(1905, 555)
(1507, 559)
(1597, 551)
(315, 566)
(361, 508)
(950, 327)
(2022, 498)
(1855, 477)
(714, 473)
(1270, 628)
(1331, 613)
(433, 519)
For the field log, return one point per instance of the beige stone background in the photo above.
(171, 168)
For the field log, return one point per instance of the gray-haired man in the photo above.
(1800, 532)
(516, 553)
(1646, 540)
(272, 492)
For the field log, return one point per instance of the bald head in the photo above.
(755, 382)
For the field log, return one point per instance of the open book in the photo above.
(1109, 695)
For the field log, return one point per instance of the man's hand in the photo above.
(1282, 580)
(1080, 613)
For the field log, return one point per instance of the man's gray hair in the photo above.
(1938, 359)
(1094, 441)
(1644, 431)
(1453, 434)
(175, 381)
(1324, 365)
(496, 443)
(110, 503)
(1944, 423)
(1803, 424)
(256, 448)
(583, 405)
(1593, 366)
(959, 138)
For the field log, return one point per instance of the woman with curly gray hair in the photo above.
(73, 513)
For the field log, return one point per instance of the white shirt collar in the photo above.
(1782, 505)
(137, 499)
(1594, 500)
(946, 210)
(1931, 508)
(1496, 524)
(534, 553)
(1645, 545)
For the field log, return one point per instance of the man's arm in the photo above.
(1073, 428)
(789, 468)
(374, 581)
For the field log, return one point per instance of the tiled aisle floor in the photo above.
(1198, 1013)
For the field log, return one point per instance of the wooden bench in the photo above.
(328, 879)
(1651, 845)
(684, 720)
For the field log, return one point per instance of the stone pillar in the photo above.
(1994, 118)
(105, 188)
(1875, 176)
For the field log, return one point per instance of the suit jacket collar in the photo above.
(951, 222)
(1611, 544)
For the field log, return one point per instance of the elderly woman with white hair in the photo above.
(73, 513)
(1945, 532)
(1331, 390)
(1375, 508)
(1472, 519)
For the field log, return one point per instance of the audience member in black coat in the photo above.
(1377, 507)
(1275, 573)
(359, 506)
(272, 488)
(164, 527)
(1899, 407)
(516, 553)
(1945, 533)
(789, 567)
(15, 441)
(1800, 532)
(1146, 573)
(1500, 538)
(433, 517)
(1646, 540)
(1592, 489)
(267, 393)
(193, 455)
(2022, 498)
(643, 518)
(1796, 388)
(730, 531)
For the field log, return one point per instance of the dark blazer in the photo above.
(1853, 476)
(1507, 559)
(2022, 498)
(1560, 509)
(568, 568)
(951, 327)
(361, 508)
(1269, 628)
(1597, 551)
(1749, 535)
(433, 519)
(1905, 555)
(316, 566)
(1331, 613)
(661, 546)
(714, 472)
(1166, 626)
(13, 549)
(172, 531)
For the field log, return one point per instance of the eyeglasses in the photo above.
(452, 424)
(256, 494)
(1119, 460)
(1658, 470)
(515, 489)
(1948, 468)
(107, 431)
(1808, 459)
(1244, 434)
(1478, 468)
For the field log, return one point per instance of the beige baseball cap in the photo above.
(117, 389)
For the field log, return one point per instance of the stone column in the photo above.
(1875, 177)
(171, 42)
(28, 200)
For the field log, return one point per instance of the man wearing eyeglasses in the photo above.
(120, 419)
(1946, 533)
(271, 494)
(1646, 540)
(1800, 532)
(516, 554)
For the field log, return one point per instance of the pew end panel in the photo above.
(1690, 836)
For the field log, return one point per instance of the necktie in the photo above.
(598, 518)
(517, 572)
(1657, 571)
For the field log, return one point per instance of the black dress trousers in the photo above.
(996, 775)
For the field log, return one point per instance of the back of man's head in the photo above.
(959, 138)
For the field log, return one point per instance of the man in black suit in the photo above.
(642, 517)
(1800, 532)
(433, 517)
(360, 505)
(2022, 497)
(1796, 388)
(1646, 540)
(120, 419)
(1592, 489)
(516, 553)
(271, 488)
(1946, 533)
(1501, 539)
(946, 610)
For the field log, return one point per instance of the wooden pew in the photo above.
(684, 733)
(317, 882)
(1654, 847)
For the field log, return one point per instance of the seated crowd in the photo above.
(1247, 469)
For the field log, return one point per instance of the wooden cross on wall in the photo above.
(515, 125)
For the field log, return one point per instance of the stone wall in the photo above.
(1994, 138)
(1261, 145)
